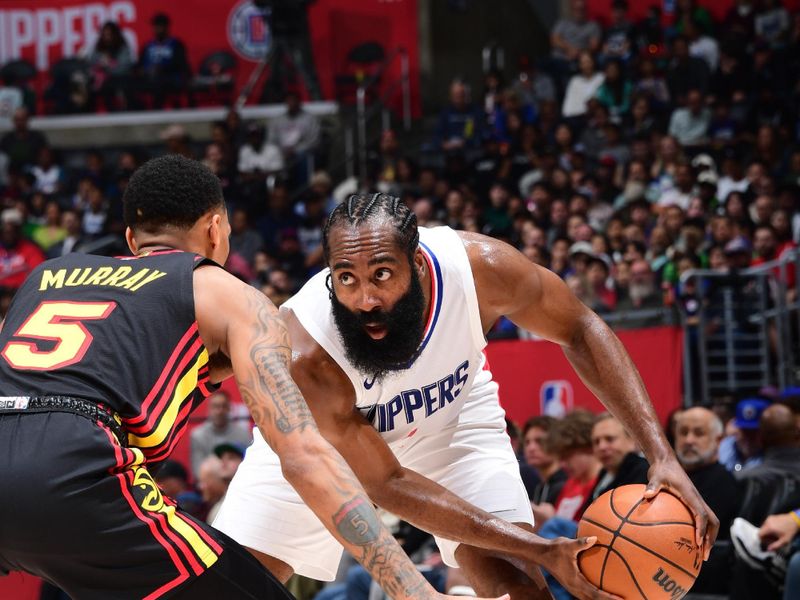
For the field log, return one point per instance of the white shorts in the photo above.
(472, 458)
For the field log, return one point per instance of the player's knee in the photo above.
(279, 569)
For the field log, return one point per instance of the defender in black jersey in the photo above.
(102, 361)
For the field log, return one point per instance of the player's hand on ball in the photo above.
(562, 563)
(669, 475)
(778, 531)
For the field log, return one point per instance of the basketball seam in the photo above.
(635, 543)
(617, 534)
(630, 571)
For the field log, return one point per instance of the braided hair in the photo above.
(361, 208)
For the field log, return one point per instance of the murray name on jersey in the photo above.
(418, 403)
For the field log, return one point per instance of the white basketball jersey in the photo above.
(429, 394)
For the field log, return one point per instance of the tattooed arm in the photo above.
(251, 333)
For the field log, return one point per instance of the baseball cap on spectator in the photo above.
(704, 161)
(738, 245)
(172, 132)
(224, 447)
(748, 412)
(602, 258)
(170, 469)
(11, 216)
(581, 248)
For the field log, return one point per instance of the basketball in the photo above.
(645, 550)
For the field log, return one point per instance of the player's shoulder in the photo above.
(309, 358)
(485, 252)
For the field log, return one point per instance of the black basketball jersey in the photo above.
(121, 331)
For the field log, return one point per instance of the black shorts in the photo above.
(82, 512)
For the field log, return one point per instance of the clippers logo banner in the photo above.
(45, 31)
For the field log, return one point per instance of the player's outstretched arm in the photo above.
(411, 496)
(536, 299)
(242, 323)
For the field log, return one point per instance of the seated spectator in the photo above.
(689, 125)
(701, 45)
(18, 256)
(74, 238)
(22, 144)
(95, 214)
(213, 482)
(618, 37)
(571, 36)
(258, 159)
(537, 455)
(48, 174)
(581, 87)
(217, 429)
(176, 141)
(766, 248)
(532, 85)
(11, 99)
(777, 533)
(598, 272)
(460, 125)
(244, 240)
(571, 440)
(172, 478)
(616, 451)
(297, 134)
(163, 64)
(698, 433)
(615, 91)
(111, 61)
(231, 455)
(741, 449)
(52, 230)
(686, 72)
(739, 253)
(771, 24)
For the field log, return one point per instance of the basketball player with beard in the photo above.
(387, 348)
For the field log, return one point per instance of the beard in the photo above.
(691, 458)
(404, 327)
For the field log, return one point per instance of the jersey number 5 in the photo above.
(59, 322)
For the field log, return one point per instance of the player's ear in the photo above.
(132, 245)
(419, 262)
(215, 232)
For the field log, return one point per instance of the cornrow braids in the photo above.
(362, 208)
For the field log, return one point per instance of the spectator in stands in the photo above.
(739, 253)
(163, 64)
(772, 23)
(258, 160)
(571, 36)
(742, 449)
(176, 140)
(616, 451)
(701, 45)
(111, 62)
(51, 231)
(212, 481)
(582, 87)
(22, 144)
(74, 238)
(532, 85)
(460, 126)
(618, 36)
(571, 440)
(297, 134)
(686, 72)
(173, 480)
(689, 125)
(49, 176)
(698, 433)
(615, 91)
(777, 532)
(537, 455)
(18, 256)
(217, 429)
(780, 441)
(598, 271)
(95, 214)
(244, 240)
(11, 99)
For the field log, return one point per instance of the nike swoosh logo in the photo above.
(368, 384)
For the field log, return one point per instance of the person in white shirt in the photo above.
(582, 87)
(701, 45)
(257, 156)
(689, 125)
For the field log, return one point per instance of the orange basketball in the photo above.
(645, 550)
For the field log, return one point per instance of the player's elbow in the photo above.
(300, 458)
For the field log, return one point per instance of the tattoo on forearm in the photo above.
(270, 354)
(357, 522)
